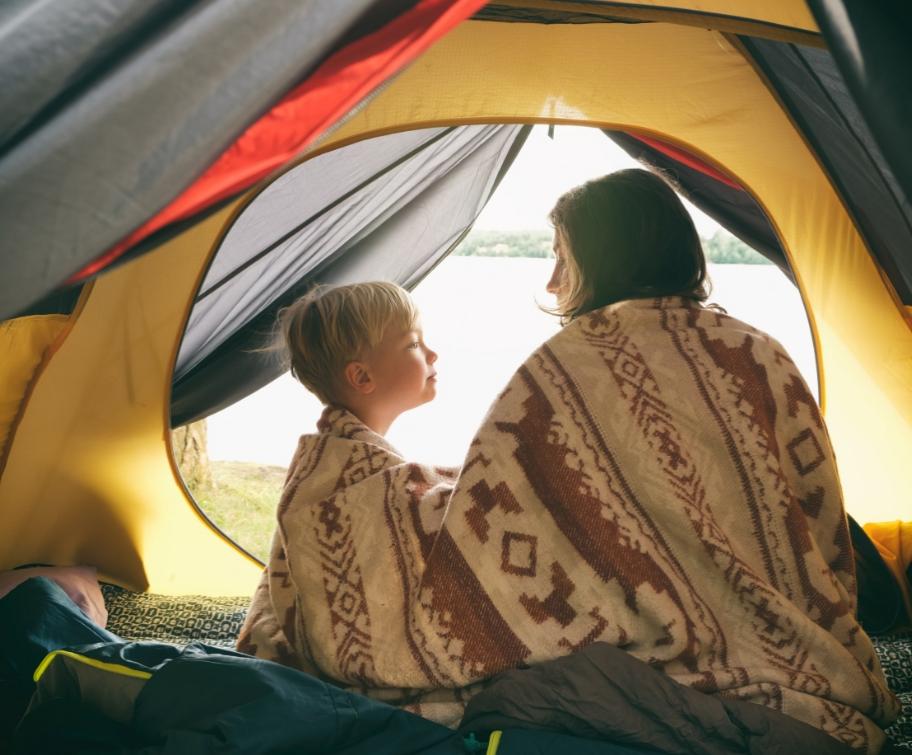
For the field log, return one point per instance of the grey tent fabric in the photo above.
(75, 38)
(870, 44)
(388, 208)
(90, 151)
(812, 90)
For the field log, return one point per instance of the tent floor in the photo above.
(180, 619)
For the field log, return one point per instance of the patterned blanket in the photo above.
(656, 476)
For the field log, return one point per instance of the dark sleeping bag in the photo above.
(95, 693)
(601, 692)
(149, 697)
(33, 616)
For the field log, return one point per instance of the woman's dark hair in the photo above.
(626, 235)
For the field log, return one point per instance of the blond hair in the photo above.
(331, 326)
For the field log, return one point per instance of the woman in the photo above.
(655, 477)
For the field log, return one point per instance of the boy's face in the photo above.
(402, 368)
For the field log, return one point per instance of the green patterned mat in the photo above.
(178, 619)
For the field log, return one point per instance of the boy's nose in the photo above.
(431, 356)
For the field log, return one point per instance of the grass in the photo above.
(241, 501)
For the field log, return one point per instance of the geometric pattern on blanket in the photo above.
(176, 619)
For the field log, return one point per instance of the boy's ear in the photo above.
(358, 377)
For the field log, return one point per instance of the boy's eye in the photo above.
(414, 344)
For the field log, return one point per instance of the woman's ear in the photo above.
(358, 378)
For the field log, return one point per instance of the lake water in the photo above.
(481, 315)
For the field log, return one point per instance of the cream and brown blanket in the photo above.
(656, 476)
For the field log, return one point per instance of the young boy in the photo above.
(361, 350)
(360, 347)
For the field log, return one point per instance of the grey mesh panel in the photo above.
(76, 183)
(417, 192)
(304, 191)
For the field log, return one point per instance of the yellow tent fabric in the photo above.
(91, 459)
(90, 478)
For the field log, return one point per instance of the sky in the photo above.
(545, 168)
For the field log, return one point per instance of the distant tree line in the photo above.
(721, 249)
(506, 244)
(725, 249)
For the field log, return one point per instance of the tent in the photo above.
(171, 173)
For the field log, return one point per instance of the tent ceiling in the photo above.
(99, 139)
